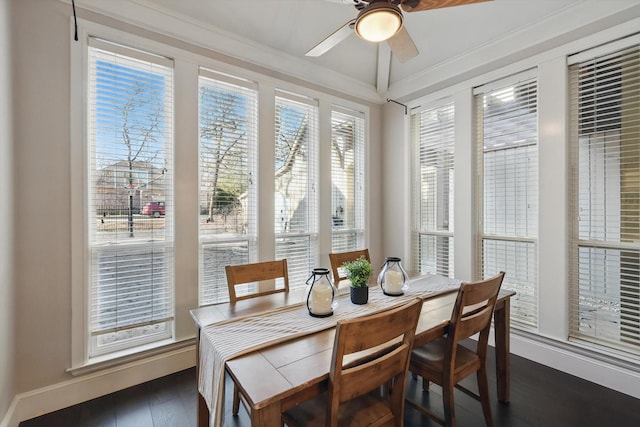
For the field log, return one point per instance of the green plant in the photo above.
(358, 271)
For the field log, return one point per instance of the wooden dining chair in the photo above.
(354, 394)
(339, 258)
(239, 275)
(446, 362)
(242, 274)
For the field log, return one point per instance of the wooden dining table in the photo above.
(277, 377)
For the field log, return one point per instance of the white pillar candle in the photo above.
(320, 300)
(393, 282)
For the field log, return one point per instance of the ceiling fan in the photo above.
(380, 20)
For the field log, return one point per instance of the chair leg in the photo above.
(236, 400)
(425, 382)
(449, 405)
(483, 391)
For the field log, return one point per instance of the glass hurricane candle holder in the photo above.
(320, 293)
(392, 278)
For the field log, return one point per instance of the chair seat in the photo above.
(429, 360)
(366, 410)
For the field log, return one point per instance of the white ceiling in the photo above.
(452, 41)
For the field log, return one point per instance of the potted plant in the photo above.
(358, 272)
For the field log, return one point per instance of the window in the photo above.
(146, 222)
(130, 163)
(347, 180)
(605, 149)
(432, 131)
(296, 218)
(508, 133)
(228, 214)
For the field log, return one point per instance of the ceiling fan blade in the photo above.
(402, 45)
(336, 37)
(350, 2)
(418, 5)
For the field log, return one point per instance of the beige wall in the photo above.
(43, 263)
(6, 213)
(374, 211)
(396, 187)
(42, 200)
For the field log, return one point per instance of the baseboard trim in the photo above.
(41, 401)
(592, 369)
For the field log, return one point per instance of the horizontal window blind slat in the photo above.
(227, 78)
(105, 47)
(518, 260)
(298, 251)
(436, 254)
(133, 288)
(214, 258)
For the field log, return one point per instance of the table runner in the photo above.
(231, 338)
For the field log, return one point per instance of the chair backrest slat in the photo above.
(473, 309)
(256, 272)
(339, 258)
(371, 351)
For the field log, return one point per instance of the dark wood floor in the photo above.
(540, 397)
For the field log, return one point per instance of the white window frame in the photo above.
(248, 240)
(356, 232)
(524, 305)
(298, 276)
(81, 254)
(596, 313)
(436, 231)
(164, 247)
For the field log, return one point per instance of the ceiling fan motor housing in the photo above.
(379, 21)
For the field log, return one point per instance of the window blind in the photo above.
(130, 161)
(296, 207)
(605, 244)
(347, 180)
(432, 132)
(508, 133)
(227, 152)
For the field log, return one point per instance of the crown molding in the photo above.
(574, 25)
(147, 15)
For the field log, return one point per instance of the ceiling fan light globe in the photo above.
(378, 22)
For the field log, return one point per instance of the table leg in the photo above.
(503, 363)
(268, 416)
(203, 412)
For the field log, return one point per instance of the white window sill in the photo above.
(124, 357)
